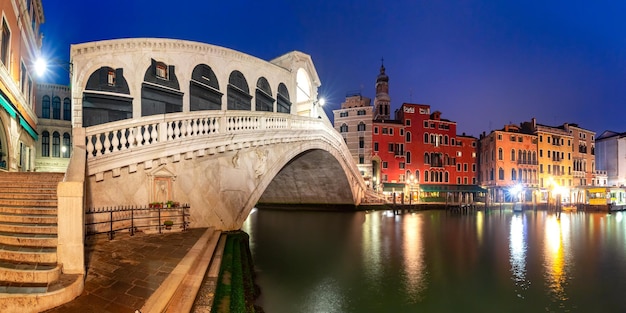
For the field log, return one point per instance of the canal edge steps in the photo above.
(30, 278)
(180, 287)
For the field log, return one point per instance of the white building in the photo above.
(55, 127)
(611, 157)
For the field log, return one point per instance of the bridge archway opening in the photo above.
(313, 179)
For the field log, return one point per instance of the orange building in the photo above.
(508, 158)
(20, 45)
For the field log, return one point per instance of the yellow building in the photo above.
(554, 154)
(20, 45)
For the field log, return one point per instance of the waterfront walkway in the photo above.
(128, 273)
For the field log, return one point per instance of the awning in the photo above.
(15, 114)
(399, 187)
(451, 188)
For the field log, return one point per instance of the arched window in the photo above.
(534, 157)
(519, 155)
(343, 128)
(263, 96)
(426, 158)
(56, 108)
(513, 174)
(417, 176)
(204, 89)
(512, 154)
(407, 136)
(67, 109)
(238, 92)
(425, 137)
(447, 177)
(408, 157)
(425, 176)
(521, 175)
(67, 145)
(283, 104)
(445, 140)
(500, 154)
(361, 127)
(491, 174)
(500, 174)
(433, 176)
(45, 107)
(45, 143)
(56, 145)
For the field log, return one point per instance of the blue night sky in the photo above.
(483, 64)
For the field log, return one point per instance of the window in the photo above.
(465, 167)
(473, 167)
(512, 154)
(407, 123)
(425, 124)
(385, 131)
(343, 114)
(445, 140)
(56, 145)
(500, 154)
(458, 167)
(408, 157)
(376, 146)
(407, 137)
(56, 108)
(67, 146)
(426, 137)
(45, 107)
(458, 153)
(111, 77)
(361, 142)
(67, 109)
(390, 131)
(500, 174)
(343, 128)
(426, 158)
(390, 147)
(426, 176)
(401, 165)
(4, 47)
(361, 159)
(45, 144)
(384, 164)
(541, 153)
(161, 70)
(447, 177)
(361, 126)
(540, 168)
(513, 174)
(499, 136)
(360, 112)
(376, 130)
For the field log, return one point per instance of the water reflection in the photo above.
(517, 251)
(413, 251)
(371, 245)
(556, 257)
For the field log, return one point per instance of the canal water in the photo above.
(434, 261)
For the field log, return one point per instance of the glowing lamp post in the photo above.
(316, 105)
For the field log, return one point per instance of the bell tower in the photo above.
(382, 100)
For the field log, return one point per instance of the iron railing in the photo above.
(110, 220)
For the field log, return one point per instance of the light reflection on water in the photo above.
(433, 261)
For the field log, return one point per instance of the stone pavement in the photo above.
(124, 272)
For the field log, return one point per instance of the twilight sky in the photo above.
(483, 64)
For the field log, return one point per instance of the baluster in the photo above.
(177, 129)
(123, 139)
(154, 135)
(90, 146)
(194, 129)
(107, 144)
(116, 141)
(146, 135)
(205, 125)
(98, 145)
(138, 137)
(216, 125)
(170, 130)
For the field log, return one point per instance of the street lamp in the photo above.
(42, 66)
(317, 104)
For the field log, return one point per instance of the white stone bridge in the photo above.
(163, 119)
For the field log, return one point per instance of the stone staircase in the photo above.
(30, 277)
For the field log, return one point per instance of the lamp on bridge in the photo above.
(316, 105)
(42, 66)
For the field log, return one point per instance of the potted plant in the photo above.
(168, 224)
(170, 203)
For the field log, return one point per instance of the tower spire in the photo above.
(382, 100)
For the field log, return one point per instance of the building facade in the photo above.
(20, 45)
(611, 158)
(55, 127)
(354, 122)
(508, 158)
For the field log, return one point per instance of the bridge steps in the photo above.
(30, 277)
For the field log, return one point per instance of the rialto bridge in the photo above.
(164, 119)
